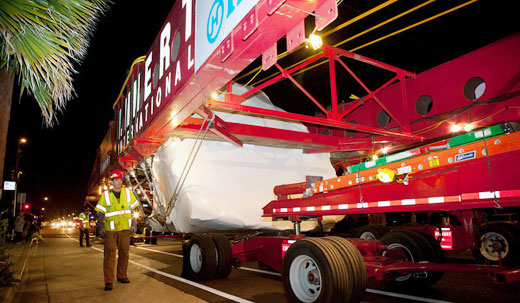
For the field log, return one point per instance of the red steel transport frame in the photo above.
(202, 47)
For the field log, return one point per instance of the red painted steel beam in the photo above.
(380, 271)
(362, 100)
(333, 88)
(341, 148)
(372, 94)
(218, 126)
(308, 119)
(290, 189)
(425, 189)
(287, 75)
(281, 76)
(244, 132)
(367, 60)
(445, 93)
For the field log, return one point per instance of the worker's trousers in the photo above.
(84, 231)
(119, 240)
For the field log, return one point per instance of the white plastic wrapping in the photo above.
(227, 186)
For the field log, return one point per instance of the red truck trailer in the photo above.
(446, 141)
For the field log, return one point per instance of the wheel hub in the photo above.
(494, 246)
(497, 246)
(305, 278)
(313, 277)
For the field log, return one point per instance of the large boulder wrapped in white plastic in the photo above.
(227, 186)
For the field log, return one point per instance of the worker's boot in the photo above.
(109, 286)
(125, 280)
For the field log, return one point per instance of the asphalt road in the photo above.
(163, 263)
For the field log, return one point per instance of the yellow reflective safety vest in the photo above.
(84, 220)
(118, 212)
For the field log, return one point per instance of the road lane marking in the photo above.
(160, 251)
(204, 287)
(243, 268)
(194, 284)
(374, 291)
(261, 271)
(409, 297)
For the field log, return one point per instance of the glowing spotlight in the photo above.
(384, 150)
(468, 128)
(315, 41)
(375, 157)
(214, 96)
(455, 128)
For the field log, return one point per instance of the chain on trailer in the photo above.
(209, 118)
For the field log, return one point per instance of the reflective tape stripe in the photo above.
(134, 204)
(112, 213)
(488, 195)
(129, 222)
(107, 197)
(118, 213)
(128, 195)
(101, 208)
(112, 226)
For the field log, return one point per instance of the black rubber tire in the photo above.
(375, 230)
(403, 246)
(509, 236)
(383, 230)
(208, 258)
(438, 253)
(224, 256)
(431, 251)
(330, 266)
(355, 265)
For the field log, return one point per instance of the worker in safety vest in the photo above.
(84, 226)
(115, 222)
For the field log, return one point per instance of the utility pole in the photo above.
(17, 174)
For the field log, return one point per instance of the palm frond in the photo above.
(41, 40)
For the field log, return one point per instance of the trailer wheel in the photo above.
(431, 251)
(402, 246)
(200, 258)
(371, 232)
(313, 270)
(224, 256)
(500, 240)
(355, 265)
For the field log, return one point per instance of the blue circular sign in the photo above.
(215, 20)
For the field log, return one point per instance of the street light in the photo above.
(46, 198)
(21, 141)
(43, 208)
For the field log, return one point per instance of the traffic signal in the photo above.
(26, 206)
(12, 174)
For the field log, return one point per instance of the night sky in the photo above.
(57, 161)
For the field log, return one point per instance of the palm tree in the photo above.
(40, 41)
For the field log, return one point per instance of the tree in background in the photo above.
(40, 42)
